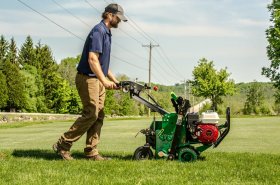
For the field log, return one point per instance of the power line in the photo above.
(150, 46)
(83, 22)
(168, 62)
(160, 73)
(130, 36)
(163, 69)
(144, 34)
(139, 67)
(137, 28)
(46, 17)
(79, 19)
(70, 32)
(93, 6)
(148, 37)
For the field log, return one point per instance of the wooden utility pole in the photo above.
(150, 46)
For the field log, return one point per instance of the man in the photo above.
(92, 78)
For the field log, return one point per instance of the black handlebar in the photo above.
(135, 89)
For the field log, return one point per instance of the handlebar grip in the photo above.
(174, 96)
(147, 87)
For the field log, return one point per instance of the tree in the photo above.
(210, 83)
(30, 90)
(50, 83)
(44, 59)
(3, 91)
(12, 52)
(27, 53)
(254, 100)
(273, 49)
(4, 45)
(74, 102)
(110, 104)
(67, 69)
(15, 86)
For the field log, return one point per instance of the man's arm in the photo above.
(112, 77)
(96, 68)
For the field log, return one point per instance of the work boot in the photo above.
(66, 155)
(98, 157)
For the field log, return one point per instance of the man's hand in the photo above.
(109, 84)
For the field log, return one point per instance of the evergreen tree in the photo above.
(12, 52)
(27, 53)
(48, 81)
(3, 91)
(38, 57)
(15, 86)
(45, 59)
(4, 45)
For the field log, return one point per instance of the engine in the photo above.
(204, 129)
(207, 133)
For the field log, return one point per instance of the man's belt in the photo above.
(89, 75)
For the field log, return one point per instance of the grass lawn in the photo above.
(249, 155)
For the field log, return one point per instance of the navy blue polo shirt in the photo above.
(99, 41)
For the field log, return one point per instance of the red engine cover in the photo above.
(207, 133)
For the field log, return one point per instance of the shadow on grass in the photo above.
(50, 155)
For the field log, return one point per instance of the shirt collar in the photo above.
(108, 31)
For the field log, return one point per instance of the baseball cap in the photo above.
(116, 9)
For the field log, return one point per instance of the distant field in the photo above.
(249, 155)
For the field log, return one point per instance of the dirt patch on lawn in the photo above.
(2, 155)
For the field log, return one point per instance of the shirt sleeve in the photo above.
(95, 41)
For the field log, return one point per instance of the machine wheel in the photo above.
(143, 153)
(170, 157)
(187, 155)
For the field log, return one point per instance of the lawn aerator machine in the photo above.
(181, 135)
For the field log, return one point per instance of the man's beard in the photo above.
(114, 24)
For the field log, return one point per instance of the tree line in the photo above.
(31, 81)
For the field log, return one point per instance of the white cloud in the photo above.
(251, 22)
(179, 30)
(30, 23)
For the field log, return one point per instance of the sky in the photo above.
(231, 33)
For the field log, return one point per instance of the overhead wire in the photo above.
(130, 36)
(136, 27)
(165, 59)
(69, 12)
(89, 26)
(168, 62)
(160, 73)
(145, 35)
(163, 69)
(73, 34)
(46, 17)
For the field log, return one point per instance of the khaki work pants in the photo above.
(92, 94)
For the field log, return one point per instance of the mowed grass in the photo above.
(249, 155)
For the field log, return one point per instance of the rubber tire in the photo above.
(187, 155)
(143, 153)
